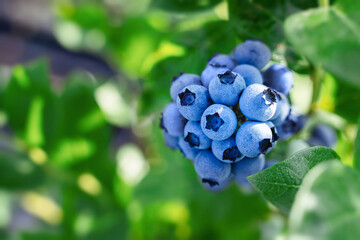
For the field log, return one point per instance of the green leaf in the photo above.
(263, 19)
(40, 235)
(201, 44)
(329, 37)
(82, 131)
(18, 172)
(279, 183)
(30, 104)
(327, 205)
(357, 148)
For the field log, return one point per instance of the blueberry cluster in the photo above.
(227, 119)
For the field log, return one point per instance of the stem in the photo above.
(317, 77)
(323, 3)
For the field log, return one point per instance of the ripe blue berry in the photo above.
(279, 77)
(291, 125)
(270, 163)
(226, 88)
(323, 135)
(222, 61)
(252, 52)
(170, 141)
(282, 109)
(258, 102)
(172, 121)
(181, 81)
(192, 101)
(187, 151)
(195, 137)
(254, 138)
(275, 136)
(226, 150)
(210, 72)
(220, 186)
(250, 74)
(210, 169)
(244, 183)
(248, 167)
(218, 122)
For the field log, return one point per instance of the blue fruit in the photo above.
(188, 152)
(195, 137)
(250, 74)
(172, 121)
(181, 81)
(170, 141)
(270, 163)
(247, 167)
(282, 109)
(218, 122)
(226, 88)
(279, 77)
(213, 187)
(226, 150)
(323, 135)
(254, 138)
(210, 72)
(258, 102)
(192, 101)
(210, 169)
(222, 61)
(291, 125)
(252, 52)
(244, 183)
(275, 136)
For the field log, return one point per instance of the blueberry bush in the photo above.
(82, 155)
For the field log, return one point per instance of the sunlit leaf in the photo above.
(279, 183)
(339, 54)
(327, 205)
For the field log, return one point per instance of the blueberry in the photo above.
(323, 135)
(230, 83)
(210, 72)
(258, 102)
(188, 152)
(218, 122)
(291, 125)
(195, 137)
(170, 141)
(247, 167)
(244, 183)
(282, 109)
(221, 61)
(226, 150)
(279, 77)
(210, 169)
(275, 136)
(216, 186)
(192, 101)
(172, 121)
(252, 52)
(254, 138)
(181, 81)
(270, 163)
(250, 74)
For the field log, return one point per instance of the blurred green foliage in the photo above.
(76, 172)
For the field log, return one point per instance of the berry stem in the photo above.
(317, 76)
